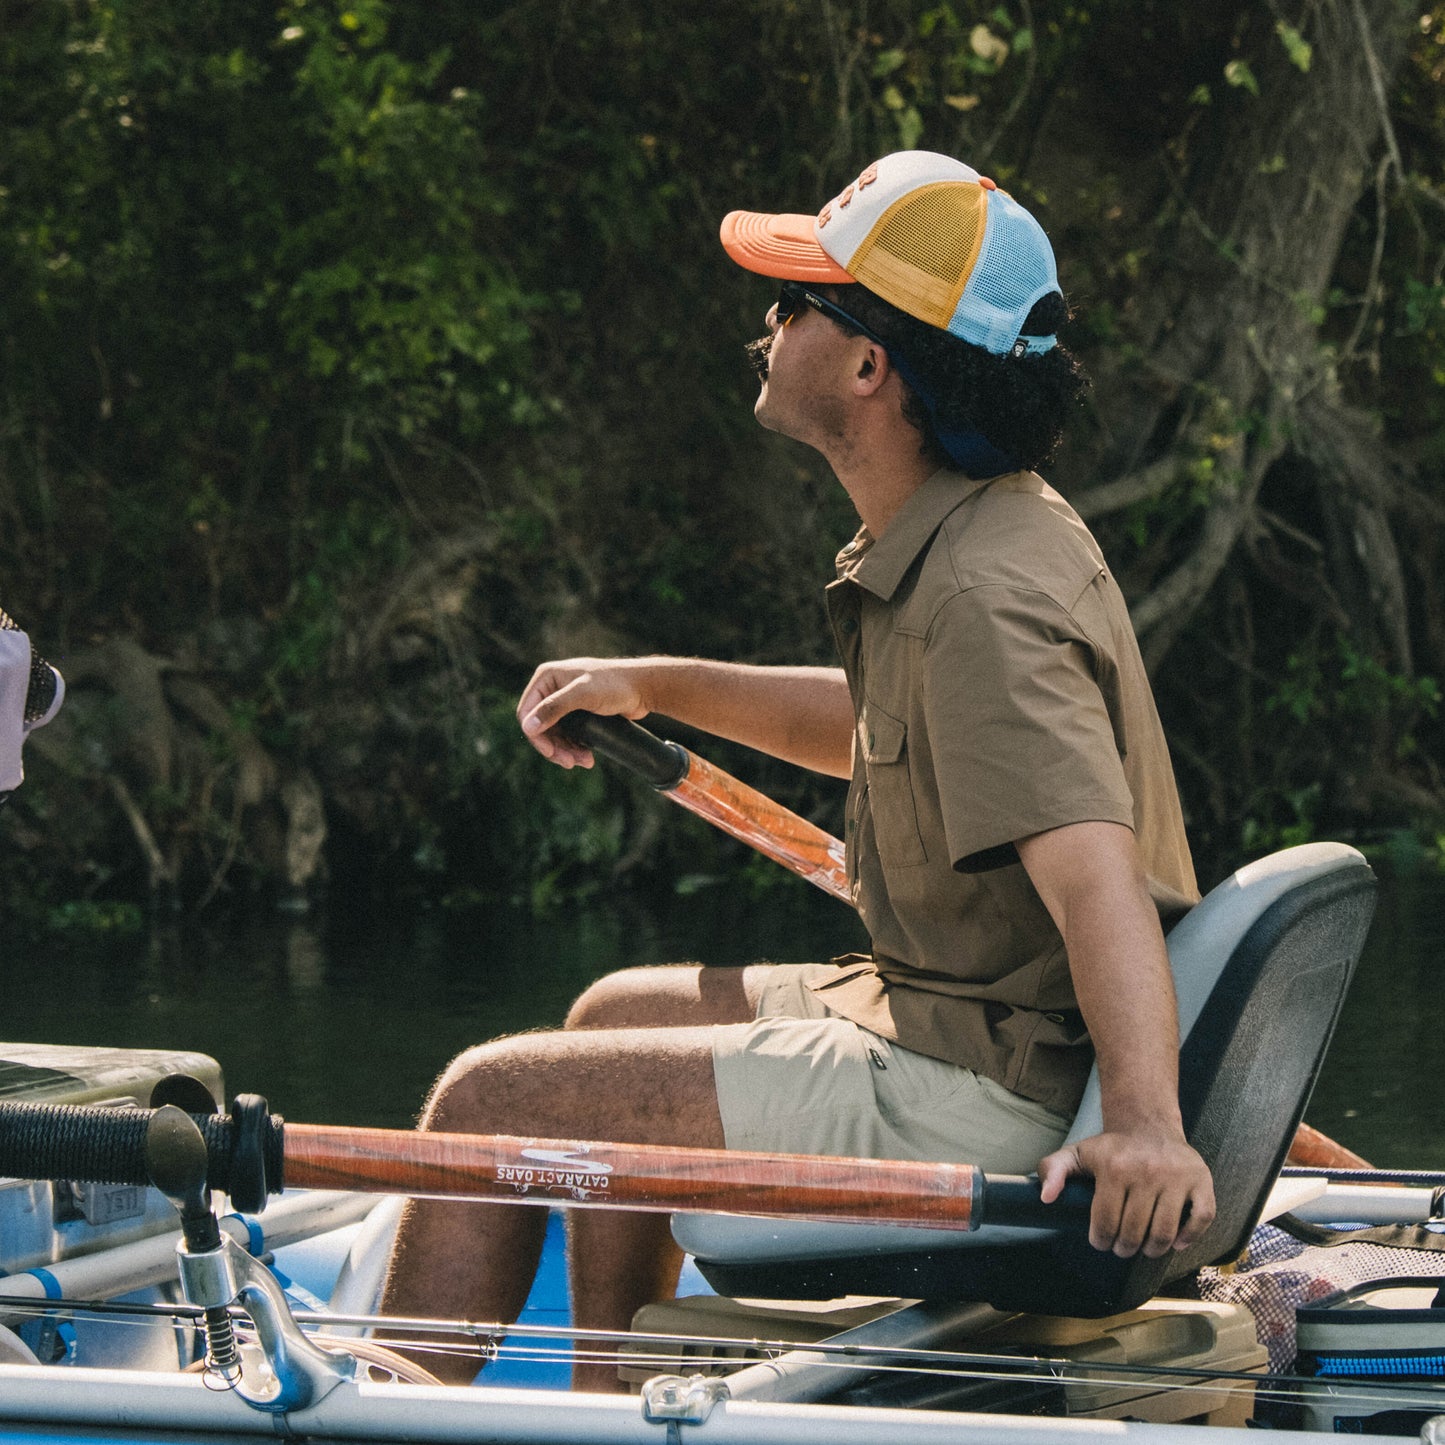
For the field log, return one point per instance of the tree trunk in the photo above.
(1231, 310)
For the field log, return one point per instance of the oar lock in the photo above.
(250, 1162)
(185, 1148)
(181, 1144)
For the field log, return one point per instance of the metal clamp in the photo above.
(677, 1400)
(284, 1371)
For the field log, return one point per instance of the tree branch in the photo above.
(1139, 486)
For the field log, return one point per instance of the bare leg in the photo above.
(618, 1261)
(669, 996)
(634, 1085)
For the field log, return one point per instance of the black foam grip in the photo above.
(622, 741)
(108, 1146)
(1014, 1200)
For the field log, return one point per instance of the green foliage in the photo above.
(1335, 702)
(88, 916)
(360, 540)
(571, 827)
(1343, 687)
(1401, 336)
(1299, 50)
(360, 353)
(387, 288)
(1283, 820)
(245, 252)
(1240, 75)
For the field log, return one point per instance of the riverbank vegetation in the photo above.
(359, 355)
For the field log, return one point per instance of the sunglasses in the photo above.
(792, 298)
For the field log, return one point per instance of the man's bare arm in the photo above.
(800, 714)
(1152, 1191)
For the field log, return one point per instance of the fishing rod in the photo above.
(252, 1153)
(566, 1342)
(800, 846)
(1344, 1174)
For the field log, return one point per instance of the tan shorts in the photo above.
(801, 1079)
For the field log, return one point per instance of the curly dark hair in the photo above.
(1020, 404)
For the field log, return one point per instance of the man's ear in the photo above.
(873, 368)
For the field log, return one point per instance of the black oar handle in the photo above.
(1013, 1199)
(629, 745)
(108, 1146)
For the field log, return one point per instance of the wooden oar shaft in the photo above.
(1311, 1149)
(740, 811)
(630, 1176)
(775, 831)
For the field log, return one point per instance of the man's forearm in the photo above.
(1151, 1189)
(801, 714)
(1121, 975)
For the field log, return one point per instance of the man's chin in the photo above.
(766, 418)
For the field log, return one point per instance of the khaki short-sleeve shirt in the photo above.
(999, 693)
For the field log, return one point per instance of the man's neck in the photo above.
(879, 485)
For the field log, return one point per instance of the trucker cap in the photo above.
(927, 234)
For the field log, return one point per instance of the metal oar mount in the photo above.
(246, 1151)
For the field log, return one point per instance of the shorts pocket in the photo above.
(1029, 1112)
(905, 1080)
(947, 1112)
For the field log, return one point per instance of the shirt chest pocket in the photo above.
(883, 740)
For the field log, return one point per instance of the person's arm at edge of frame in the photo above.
(1152, 1190)
(800, 714)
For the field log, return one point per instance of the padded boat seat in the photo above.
(1260, 968)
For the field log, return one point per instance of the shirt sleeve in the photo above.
(1021, 736)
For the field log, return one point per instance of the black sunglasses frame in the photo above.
(792, 295)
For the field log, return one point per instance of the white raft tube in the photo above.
(440, 1415)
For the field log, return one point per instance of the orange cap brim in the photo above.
(783, 247)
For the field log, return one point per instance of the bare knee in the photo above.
(475, 1086)
(679, 995)
(630, 998)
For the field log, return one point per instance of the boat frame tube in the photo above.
(119, 1400)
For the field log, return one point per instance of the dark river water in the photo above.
(344, 1017)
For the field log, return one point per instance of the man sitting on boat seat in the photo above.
(1013, 831)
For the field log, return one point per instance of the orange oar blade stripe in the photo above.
(1313, 1150)
(630, 1176)
(774, 831)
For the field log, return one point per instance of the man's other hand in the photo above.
(1151, 1191)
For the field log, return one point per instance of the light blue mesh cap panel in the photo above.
(1015, 268)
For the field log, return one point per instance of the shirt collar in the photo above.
(878, 563)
